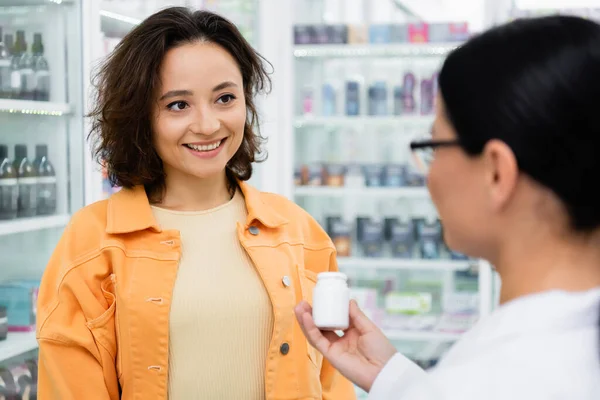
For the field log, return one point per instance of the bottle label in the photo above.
(27, 196)
(46, 195)
(15, 80)
(28, 80)
(42, 87)
(9, 194)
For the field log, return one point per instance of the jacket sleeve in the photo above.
(75, 326)
(335, 385)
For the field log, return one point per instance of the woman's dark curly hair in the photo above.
(126, 89)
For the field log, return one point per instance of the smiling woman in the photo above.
(183, 284)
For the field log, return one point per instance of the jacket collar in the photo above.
(129, 211)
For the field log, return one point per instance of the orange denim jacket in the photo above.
(104, 301)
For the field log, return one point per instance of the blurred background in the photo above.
(354, 81)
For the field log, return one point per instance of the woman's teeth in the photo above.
(207, 147)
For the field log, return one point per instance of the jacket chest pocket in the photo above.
(105, 328)
(308, 281)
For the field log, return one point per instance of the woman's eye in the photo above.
(226, 99)
(177, 106)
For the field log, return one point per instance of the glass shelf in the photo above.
(404, 264)
(418, 193)
(33, 224)
(428, 336)
(17, 344)
(370, 121)
(373, 50)
(34, 107)
(29, 3)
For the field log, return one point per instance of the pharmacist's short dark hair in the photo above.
(534, 84)
(126, 85)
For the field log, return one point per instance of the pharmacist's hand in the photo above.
(359, 355)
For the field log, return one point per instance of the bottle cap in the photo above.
(41, 150)
(3, 152)
(332, 275)
(20, 151)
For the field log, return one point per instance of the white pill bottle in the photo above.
(331, 301)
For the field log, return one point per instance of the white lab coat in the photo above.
(539, 347)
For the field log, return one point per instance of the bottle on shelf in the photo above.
(46, 190)
(41, 69)
(15, 70)
(5, 60)
(9, 189)
(27, 181)
(26, 64)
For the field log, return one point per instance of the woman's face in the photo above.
(455, 182)
(200, 111)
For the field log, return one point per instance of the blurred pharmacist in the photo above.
(514, 160)
(183, 284)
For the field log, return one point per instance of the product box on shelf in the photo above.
(370, 235)
(20, 298)
(380, 33)
(418, 32)
(340, 233)
(448, 32)
(358, 34)
(401, 236)
(334, 175)
(321, 34)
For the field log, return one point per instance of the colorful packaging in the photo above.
(418, 32)
(20, 299)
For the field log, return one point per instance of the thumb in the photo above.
(359, 320)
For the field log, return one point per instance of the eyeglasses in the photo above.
(424, 151)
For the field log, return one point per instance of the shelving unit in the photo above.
(34, 107)
(404, 264)
(33, 224)
(17, 344)
(50, 134)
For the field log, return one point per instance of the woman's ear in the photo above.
(501, 172)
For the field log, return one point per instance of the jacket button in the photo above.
(253, 230)
(284, 349)
(286, 281)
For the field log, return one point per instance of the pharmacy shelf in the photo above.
(17, 344)
(32, 224)
(4, 4)
(420, 193)
(404, 264)
(374, 50)
(308, 121)
(428, 336)
(34, 107)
